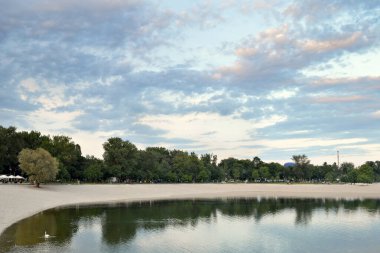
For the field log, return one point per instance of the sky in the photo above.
(233, 78)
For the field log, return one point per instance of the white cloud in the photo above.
(308, 142)
(350, 65)
(61, 123)
(376, 114)
(27, 87)
(30, 85)
(282, 94)
(45, 120)
(232, 136)
(182, 99)
(92, 142)
(371, 151)
(298, 132)
(227, 130)
(54, 100)
(48, 95)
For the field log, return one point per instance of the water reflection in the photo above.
(119, 223)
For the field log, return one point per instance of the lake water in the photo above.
(221, 225)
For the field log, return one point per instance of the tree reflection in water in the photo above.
(120, 222)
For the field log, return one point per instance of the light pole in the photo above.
(337, 154)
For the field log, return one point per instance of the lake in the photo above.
(219, 225)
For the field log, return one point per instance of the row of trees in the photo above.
(122, 160)
(71, 163)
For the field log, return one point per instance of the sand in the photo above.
(20, 201)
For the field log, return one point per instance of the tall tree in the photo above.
(346, 167)
(276, 170)
(158, 163)
(302, 168)
(120, 158)
(38, 164)
(264, 173)
(182, 167)
(366, 174)
(257, 162)
(68, 154)
(211, 170)
(227, 165)
(376, 169)
(11, 144)
(94, 169)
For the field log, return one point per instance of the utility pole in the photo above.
(337, 155)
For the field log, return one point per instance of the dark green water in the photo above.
(234, 225)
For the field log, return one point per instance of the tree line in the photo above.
(123, 161)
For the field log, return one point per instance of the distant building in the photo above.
(289, 164)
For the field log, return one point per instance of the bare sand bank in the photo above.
(20, 201)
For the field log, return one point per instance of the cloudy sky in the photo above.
(235, 78)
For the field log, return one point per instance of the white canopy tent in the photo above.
(4, 178)
(11, 178)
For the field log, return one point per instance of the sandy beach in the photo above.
(21, 201)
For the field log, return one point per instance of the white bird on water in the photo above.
(46, 235)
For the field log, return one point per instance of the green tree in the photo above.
(346, 167)
(302, 167)
(366, 174)
(210, 167)
(246, 170)
(276, 170)
(255, 174)
(181, 166)
(257, 163)
(264, 172)
(376, 169)
(32, 139)
(68, 154)
(236, 170)
(329, 177)
(147, 166)
(229, 168)
(11, 144)
(63, 175)
(120, 158)
(93, 171)
(203, 176)
(153, 164)
(38, 164)
(195, 167)
(352, 176)
(171, 177)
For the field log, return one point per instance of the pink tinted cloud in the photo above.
(329, 45)
(235, 69)
(338, 99)
(277, 35)
(277, 39)
(245, 51)
(344, 80)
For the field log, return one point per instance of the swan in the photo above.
(46, 235)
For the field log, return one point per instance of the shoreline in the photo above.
(21, 201)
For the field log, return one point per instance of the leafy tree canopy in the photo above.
(38, 164)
